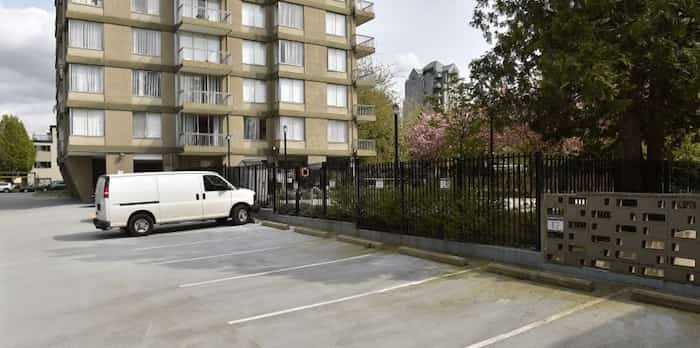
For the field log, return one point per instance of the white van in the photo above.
(136, 202)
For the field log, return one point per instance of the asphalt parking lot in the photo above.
(65, 284)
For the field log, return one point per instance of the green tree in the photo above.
(621, 75)
(17, 151)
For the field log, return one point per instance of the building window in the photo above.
(335, 24)
(254, 53)
(337, 60)
(337, 131)
(202, 89)
(146, 42)
(208, 10)
(254, 128)
(83, 34)
(200, 48)
(42, 164)
(42, 148)
(96, 3)
(295, 128)
(86, 78)
(290, 15)
(145, 83)
(290, 53)
(146, 125)
(149, 7)
(254, 91)
(290, 91)
(87, 123)
(203, 130)
(337, 96)
(253, 15)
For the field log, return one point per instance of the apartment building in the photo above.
(432, 81)
(46, 167)
(147, 85)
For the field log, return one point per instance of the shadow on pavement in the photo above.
(115, 233)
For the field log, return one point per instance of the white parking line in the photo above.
(545, 321)
(288, 269)
(348, 298)
(242, 252)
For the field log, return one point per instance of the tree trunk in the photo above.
(631, 134)
(655, 135)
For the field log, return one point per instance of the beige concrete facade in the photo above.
(185, 141)
(45, 164)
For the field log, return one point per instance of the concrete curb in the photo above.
(666, 300)
(433, 256)
(359, 241)
(272, 224)
(543, 277)
(312, 232)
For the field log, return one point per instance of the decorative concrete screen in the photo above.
(648, 235)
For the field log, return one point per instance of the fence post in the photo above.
(539, 183)
(356, 180)
(324, 188)
(297, 195)
(274, 188)
(403, 201)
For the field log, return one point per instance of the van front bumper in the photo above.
(103, 225)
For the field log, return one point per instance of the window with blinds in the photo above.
(199, 47)
(290, 15)
(337, 60)
(254, 128)
(86, 78)
(337, 131)
(290, 91)
(295, 128)
(337, 96)
(254, 91)
(254, 53)
(253, 15)
(335, 24)
(145, 83)
(82, 34)
(149, 7)
(146, 125)
(146, 42)
(290, 53)
(87, 123)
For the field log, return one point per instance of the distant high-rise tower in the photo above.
(431, 81)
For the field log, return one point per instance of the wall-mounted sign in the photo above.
(444, 183)
(379, 184)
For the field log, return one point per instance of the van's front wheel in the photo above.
(240, 214)
(140, 225)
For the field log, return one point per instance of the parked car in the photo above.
(56, 186)
(6, 187)
(27, 188)
(136, 202)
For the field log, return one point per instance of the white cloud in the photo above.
(27, 86)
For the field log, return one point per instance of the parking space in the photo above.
(64, 284)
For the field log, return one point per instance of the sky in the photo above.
(409, 34)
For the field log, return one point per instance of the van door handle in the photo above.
(196, 195)
(204, 196)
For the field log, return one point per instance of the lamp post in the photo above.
(228, 151)
(396, 143)
(286, 192)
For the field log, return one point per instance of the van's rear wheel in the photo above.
(240, 215)
(140, 225)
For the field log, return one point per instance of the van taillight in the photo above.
(105, 191)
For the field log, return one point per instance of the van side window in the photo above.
(215, 183)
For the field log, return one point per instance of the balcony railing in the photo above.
(202, 139)
(364, 6)
(204, 97)
(203, 55)
(364, 41)
(93, 3)
(192, 9)
(366, 145)
(364, 110)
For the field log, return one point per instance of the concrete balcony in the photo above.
(366, 148)
(364, 113)
(363, 46)
(363, 11)
(363, 79)
(190, 16)
(203, 143)
(203, 61)
(204, 102)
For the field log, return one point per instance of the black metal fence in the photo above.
(483, 199)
